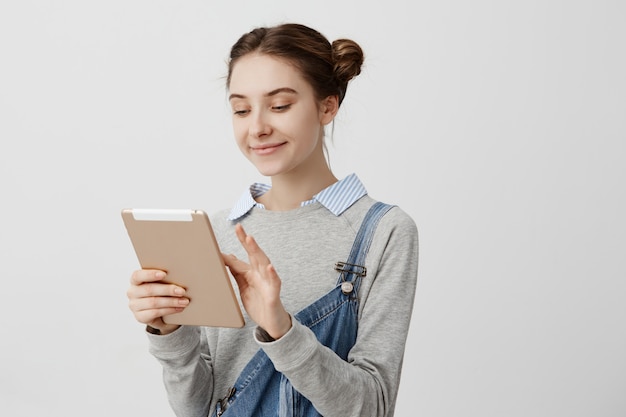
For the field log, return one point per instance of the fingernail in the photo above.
(179, 291)
(160, 274)
(183, 301)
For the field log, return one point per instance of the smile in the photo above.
(267, 149)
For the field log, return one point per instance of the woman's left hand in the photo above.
(259, 287)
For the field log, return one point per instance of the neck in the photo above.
(291, 188)
(288, 193)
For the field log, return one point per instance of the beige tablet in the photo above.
(182, 243)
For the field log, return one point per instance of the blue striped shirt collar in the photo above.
(337, 197)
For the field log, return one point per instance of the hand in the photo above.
(259, 287)
(150, 299)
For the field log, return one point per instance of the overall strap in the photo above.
(355, 265)
(365, 235)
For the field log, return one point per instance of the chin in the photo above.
(269, 171)
(271, 168)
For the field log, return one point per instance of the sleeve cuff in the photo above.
(180, 341)
(262, 336)
(152, 330)
(290, 351)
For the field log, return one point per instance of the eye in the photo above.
(240, 113)
(281, 108)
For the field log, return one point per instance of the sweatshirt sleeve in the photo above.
(186, 363)
(366, 384)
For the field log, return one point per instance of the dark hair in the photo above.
(327, 67)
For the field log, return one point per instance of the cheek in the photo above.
(239, 131)
(306, 125)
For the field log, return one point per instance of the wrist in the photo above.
(162, 331)
(280, 328)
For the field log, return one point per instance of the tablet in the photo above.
(182, 243)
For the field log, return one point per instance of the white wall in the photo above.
(499, 126)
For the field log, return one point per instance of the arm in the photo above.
(187, 372)
(186, 364)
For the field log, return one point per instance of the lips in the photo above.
(266, 149)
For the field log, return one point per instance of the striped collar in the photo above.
(337, 197)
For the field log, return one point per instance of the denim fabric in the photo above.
(260, 390)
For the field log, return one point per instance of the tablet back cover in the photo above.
(182, 243)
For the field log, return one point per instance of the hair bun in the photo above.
(348, 59)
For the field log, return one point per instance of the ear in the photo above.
(328, 109)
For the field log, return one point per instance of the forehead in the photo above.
(258, 74)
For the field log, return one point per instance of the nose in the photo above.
(259, 125)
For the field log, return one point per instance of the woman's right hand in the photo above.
(150, 299)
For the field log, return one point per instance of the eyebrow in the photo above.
(269, 94)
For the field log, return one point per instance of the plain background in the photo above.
(499, 126)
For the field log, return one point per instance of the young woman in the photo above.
(328, 280)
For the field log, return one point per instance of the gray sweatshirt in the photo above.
(200, 363)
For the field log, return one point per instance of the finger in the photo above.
(236, 265)
(147, 310)
(271, 272)
(147, 275)
(272, 277)
(239, 269)
(155, 303)
(246, 240)
(241, 234)
(155, 316)
(155, 289)
(258, 258)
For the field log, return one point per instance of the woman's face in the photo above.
(278, 123)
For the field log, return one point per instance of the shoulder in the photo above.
(400, 221)
(395, 220)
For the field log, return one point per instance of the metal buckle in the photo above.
(345, 267)
(222, 404)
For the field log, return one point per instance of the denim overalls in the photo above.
(262, 391)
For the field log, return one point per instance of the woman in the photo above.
(328, 291)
